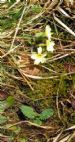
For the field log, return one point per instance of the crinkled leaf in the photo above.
(37, 121)
(10, 100)
(3, 119)
(3, 106)
(40, 34)
(28, 111)
(23, 140)
(46, 114)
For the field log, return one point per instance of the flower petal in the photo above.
(44, 54)
(34, 56)
(2, 1)
(38, 57)
(39, 50)
(50, 45)
(43, 60)
(48, 32)
(37, 61)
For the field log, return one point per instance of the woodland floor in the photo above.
(39, 87)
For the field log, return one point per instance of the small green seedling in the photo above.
(30, 113)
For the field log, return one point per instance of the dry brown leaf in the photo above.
(69, 67)
(27, 66)
(32, 70)
(3, 95)
(33, 1)
(69, 2)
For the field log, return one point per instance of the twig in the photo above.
(14, 4)
(63, 25)
(31, 124)
(61, 57)
(63, 12)
(16, 31)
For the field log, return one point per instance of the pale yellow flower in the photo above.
(38, 57)
(50, 45)
(48, 32)
(2, 1)
(71, 1)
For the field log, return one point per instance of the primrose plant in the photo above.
(40, 56)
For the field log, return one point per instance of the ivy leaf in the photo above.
(28, 111)
(46, 114)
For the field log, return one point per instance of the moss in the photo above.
(46, 91)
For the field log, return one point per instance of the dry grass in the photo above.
(42, 86)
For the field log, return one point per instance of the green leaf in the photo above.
(3, 119)
(46, 114)
(37, 121)
(15, 129)
(23, 140)
(36, 8)
(28, 111)
(10, 100)
(3, 106)
(39, 35)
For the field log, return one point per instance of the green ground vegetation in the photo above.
(37, 102)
